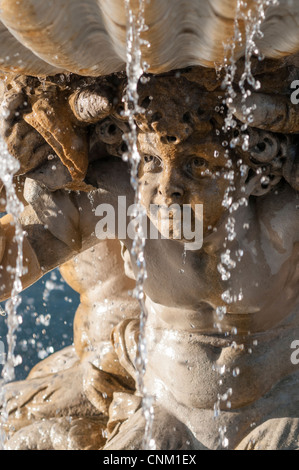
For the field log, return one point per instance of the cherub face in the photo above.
(184, 174)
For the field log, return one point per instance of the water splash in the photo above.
(136, 68)
(252, 19)
(8, 168)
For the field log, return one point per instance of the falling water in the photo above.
(8, 168)
(135, 70)
(252, 19)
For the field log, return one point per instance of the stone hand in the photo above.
(45, 397)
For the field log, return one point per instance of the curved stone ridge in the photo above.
(88, 37)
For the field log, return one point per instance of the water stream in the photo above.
(252, 19)
(136, 68)
(8, 168)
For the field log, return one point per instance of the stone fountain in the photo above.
(210, 363)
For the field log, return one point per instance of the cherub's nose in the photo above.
(171, 188)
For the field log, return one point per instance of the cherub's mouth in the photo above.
(164, 212)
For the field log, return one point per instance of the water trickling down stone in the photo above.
(8, 168)
(135, 71)
(252, 18)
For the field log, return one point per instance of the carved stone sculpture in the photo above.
(220, 319)
(89, 38)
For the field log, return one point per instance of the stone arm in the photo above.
(58, 225)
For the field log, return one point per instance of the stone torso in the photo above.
(98, 276)
(197, 369)
(202, 361)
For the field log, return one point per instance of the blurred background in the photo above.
(46, 315)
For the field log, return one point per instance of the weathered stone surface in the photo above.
(89, 37)
(178, 135)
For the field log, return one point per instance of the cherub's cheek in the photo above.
(147, 192)
(194, 195)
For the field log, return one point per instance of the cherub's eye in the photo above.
(196, 166)
(198, 163)
(151, 163)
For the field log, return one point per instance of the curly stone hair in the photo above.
(178, 107)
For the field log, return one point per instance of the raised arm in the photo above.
(60, 224)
